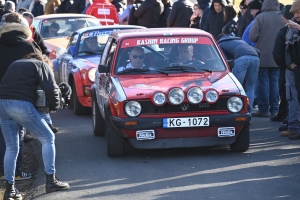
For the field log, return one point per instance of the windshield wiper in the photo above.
(87, 52)
(129, 70)
(184, 68)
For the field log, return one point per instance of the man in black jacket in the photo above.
(215, 19)
(133, 20)
(180, 14)
(286, 55)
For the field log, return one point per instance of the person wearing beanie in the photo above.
(263, 31)
(246, 20)
(215, 19)
(286, 54)
(205, 6)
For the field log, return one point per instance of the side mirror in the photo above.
(231, 64)
(102, 68)
(72, 50)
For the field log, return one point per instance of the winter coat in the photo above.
(230, 27)
(205, 6)
(264, 30)
(120, 5)
(246, 35)
(23, 4)
(22, 78)
(279, 48)
(149, 12)
(235, 47)
(65, 6)
(13, 42)
(164, 16)
(38, 39)
(50, 5)
(196, 22)
(104, 11)
(132, 19)
(246, 20)
(78, 6)
(181, 13)
(215, 21)
(38, 9)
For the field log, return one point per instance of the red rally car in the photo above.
(167, 88)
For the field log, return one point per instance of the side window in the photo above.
(106, 51)
(111, 53)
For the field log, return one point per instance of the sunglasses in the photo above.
(138, 56)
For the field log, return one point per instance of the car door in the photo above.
(102, 78)
(64, 64)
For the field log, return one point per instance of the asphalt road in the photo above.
(268, 170)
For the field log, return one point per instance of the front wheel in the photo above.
(98, 121)
(115, 142)
(242, 142)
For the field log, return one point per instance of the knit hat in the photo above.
(285, 12)
(255, 5)
(295, 6)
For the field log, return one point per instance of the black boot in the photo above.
(54, 129)
(53, 185)
(11, 192)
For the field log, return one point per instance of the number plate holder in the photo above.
(145, 135)
(185, 122)
(226, 132)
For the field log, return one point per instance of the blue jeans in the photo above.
(46, 117)
(21, 147)
(247, 67)
(14, 112)
(268, 91)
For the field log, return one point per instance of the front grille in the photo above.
(148, 107)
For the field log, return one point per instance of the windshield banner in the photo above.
(165, 40)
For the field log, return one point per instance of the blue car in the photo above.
(78, 63)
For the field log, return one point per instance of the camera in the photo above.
(42, 104)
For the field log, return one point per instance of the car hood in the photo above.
(91, 61)
(54, 43)
(144, 87)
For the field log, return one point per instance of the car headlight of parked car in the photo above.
(176, 96)
(211, 96)
(159, 98)
(235, 104)
(133, 108)
(92, 74)
(195, 95)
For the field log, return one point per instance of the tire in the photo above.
(115, 142)
(242, 141)
(78, 108)
(98, 121)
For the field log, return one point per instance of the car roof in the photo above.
(94, 28)
(159, 32)
(63, 15)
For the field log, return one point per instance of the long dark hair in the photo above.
(230, 11)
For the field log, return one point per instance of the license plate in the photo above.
(145, 135)
(185, 122)
(226, 132)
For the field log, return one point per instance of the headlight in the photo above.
(195, 95)
(211, 96)
(133, 108)
(176, 96)
(159, 98)
(92, 74)
(235, 104)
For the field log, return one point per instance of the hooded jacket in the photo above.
(149, 12)
(264, 30)
(215, 21)
(235, 47)
(181, 13)
(13, 42)
(22, 78)
(205, 6)
(104, 11)
(280, 48)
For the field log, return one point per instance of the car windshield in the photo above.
(64, 27)
(168, 55)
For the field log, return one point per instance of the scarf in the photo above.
(291, 36)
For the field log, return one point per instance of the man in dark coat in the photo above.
(215, 19)
(149, 12)
(205, 6)
(38, 8)
(181, 13)
(132, 20)
(78, 6)
(120, 5)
